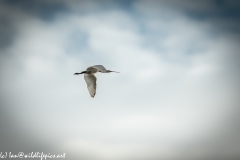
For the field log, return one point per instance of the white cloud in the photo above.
(163, 98)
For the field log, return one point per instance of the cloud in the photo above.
(176, 96)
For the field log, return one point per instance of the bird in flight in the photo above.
(91, 79)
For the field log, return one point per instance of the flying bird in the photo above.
(91, 79)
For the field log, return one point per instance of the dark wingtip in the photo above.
(93, 95)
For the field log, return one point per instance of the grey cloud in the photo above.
(166, 103)
(42, 9)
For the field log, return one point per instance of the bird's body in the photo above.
(91, 79)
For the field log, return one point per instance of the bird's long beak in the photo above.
(115, 71)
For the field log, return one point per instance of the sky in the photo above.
(176, 97)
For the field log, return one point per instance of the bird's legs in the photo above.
(80, 73)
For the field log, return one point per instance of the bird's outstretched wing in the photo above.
(91, 83)
(98, 67)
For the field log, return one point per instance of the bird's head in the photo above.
(108, 71)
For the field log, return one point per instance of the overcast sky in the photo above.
(177, 96)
